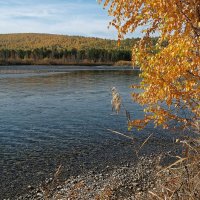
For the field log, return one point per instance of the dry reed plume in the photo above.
(116, 100)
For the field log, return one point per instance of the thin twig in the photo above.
(155, 195)
(118, 133)
(175, 163)
(147, 139)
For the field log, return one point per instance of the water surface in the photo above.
(56, 115)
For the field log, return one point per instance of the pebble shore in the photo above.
(126, 182)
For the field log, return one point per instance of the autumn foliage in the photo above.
(45, 49)
(170, 72)
(31, 41)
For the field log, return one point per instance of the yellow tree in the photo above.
(170, 73)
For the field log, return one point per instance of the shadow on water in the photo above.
(54, 118)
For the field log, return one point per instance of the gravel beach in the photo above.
(131, 181)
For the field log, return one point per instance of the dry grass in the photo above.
(49, 188)
(180, 180)
(123, 63)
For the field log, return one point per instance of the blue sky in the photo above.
(69, 17)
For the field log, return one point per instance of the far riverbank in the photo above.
(35, 69)
(57, 62)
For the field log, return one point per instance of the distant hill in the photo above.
(49, 49)
(30, 41)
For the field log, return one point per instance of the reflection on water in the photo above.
(60, 118)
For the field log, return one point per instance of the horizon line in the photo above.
(60, 34)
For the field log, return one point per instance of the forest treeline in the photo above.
(59, 49)
(60, 56)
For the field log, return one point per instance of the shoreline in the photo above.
(38, 69)
(99, 177)
(127, 181)
(132, 178)
(120, 63)
(57, 64)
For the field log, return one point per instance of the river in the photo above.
(52, 115)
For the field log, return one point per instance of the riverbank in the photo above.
(134, 173)
(125, 182)
(27, 69)
(120, 179)
(150, 177)
(49, 62)
(53, 62)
